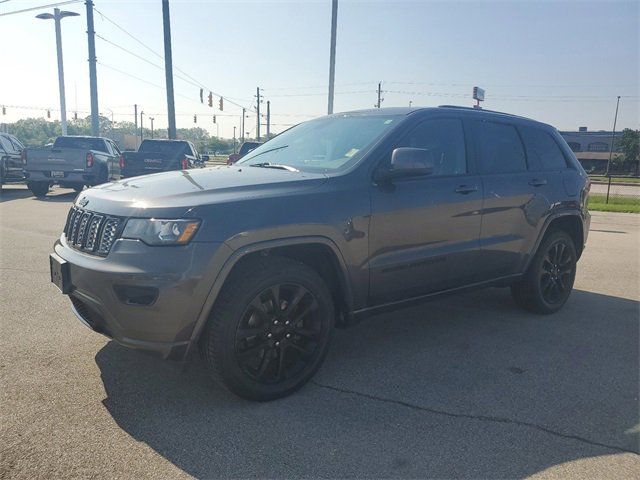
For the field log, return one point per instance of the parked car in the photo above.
(245, 148)
(333, 220)
(10, 159)
(71, 162)
(155, 156)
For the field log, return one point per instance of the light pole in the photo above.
(57, 16)
(332, 54)
(151, 120)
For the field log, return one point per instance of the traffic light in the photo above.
(201, 96)
(195, 119)
(4, 110)
(214, 119)
(221, 105)
(75, 115)
(210, 99)
(48, 113)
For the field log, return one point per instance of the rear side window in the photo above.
(542, 148)
(500, 148)
(444, 139)
(82, 143)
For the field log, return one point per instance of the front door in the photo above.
(424, 232)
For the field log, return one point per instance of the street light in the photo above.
(57, 16)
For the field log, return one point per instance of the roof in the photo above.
(410, 110)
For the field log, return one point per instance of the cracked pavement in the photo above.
(463, 387)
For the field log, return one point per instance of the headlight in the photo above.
(153, 231)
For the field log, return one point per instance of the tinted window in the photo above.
(83, 143)
(444, 139)
(6, 144)
(542, 148)
(164, 146)
(500, 148)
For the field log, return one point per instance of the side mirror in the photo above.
(409, 162)
(205, 158)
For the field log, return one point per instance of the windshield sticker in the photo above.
(351, 152)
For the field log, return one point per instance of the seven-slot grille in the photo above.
(91, 232)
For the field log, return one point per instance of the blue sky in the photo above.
(559, 62)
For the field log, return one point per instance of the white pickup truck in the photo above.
(72, 162)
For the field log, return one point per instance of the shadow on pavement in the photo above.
(17, 192)
(468, 386)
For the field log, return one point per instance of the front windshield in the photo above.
(324, 145)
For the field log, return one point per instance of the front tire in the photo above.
(39, 189)
(547, 283)
(269, 331)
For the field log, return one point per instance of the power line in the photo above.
(196, 82)
(58, 4)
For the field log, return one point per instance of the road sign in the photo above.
(478, 94)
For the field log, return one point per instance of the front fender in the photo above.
(234, 256)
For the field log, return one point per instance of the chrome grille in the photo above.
(91, 232)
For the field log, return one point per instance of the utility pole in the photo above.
(151, 119)
(268, 120)
(234, 139)
(380, 99)
(57, 17)
(258, 115)
(93, 76)
(613, 139)
(135, 115)
(141, 127)
(332, 54)
(168, 69)
(242, 131)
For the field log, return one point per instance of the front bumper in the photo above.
(181, 278)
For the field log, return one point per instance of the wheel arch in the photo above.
(320, 253)
(569, 222)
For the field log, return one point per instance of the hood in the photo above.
(175, 193)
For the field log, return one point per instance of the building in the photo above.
(591, 148)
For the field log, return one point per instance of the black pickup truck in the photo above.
(155, 156)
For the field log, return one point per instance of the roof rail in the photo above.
(477, 110)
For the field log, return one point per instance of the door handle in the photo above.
(537, 182)
(465, 189)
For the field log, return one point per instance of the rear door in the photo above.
(513, 199)
(424, 232)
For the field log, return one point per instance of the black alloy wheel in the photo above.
(279, 333)
(548, 281)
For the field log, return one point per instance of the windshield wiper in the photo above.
(274, 165)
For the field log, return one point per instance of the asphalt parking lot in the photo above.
(467, 386)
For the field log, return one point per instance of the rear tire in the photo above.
(269, 330)
(39, 189)
(547, 283)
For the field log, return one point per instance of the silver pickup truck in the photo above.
(72, 162)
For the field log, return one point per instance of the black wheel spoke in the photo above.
(280, 333)
(281, 364)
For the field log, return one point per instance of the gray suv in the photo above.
(335, 219)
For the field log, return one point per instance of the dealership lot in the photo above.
(468, 386)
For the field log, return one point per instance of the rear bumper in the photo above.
(83, 177)
(163, 325)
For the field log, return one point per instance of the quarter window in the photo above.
(444, 139)
(541, 146)
(500, 148)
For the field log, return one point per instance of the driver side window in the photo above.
(444, 139)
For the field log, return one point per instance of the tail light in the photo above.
(121, 161)
(185, 163)
(23, 156)
(89, 159)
